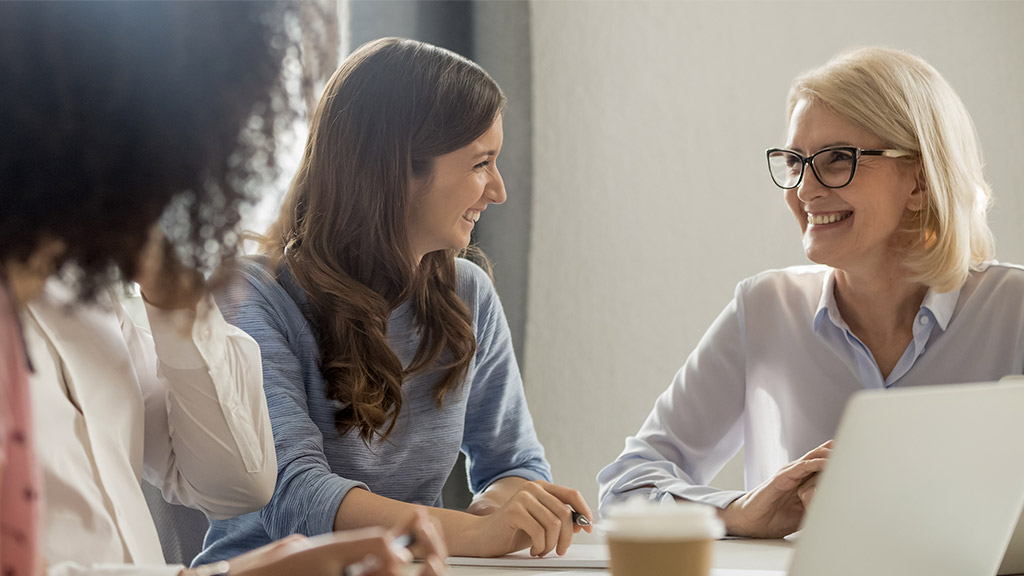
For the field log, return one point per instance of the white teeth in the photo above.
(827, 218)
(472, 216)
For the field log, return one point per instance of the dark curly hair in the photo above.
(112, 111)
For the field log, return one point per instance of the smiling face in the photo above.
(851, 228)
(448, 202)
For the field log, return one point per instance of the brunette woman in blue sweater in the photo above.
(384, 353)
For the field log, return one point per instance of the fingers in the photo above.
(433, 536)
(823, 451)
(287, 541)
(549, 505)
(806, 490)
(363, 550)
(151, 256)
(433, 567)
(269, 553)
(571, 497)
(546, 525)
(288, 545)
(777, 505)
(549, 522)
(793, 474)
(563, 514)
(375, 556)
(525, 514)
(166, 282)
(537, 515)
(426, 533)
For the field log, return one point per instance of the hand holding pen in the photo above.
(400, 546)
(418, 536)
(579, 519)
(426, 543)
(515, 513)
(371, 563)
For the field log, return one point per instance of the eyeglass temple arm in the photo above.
(888, 153)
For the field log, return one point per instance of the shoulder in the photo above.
(250, 284)
(992, 279)
(994, 271)
(476, 290)
(473, 285)
(254, 270)
(992, 301)
(471, 274)
(805, 281)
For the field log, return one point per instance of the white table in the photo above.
(734, 554)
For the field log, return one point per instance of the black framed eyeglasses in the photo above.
(834, 167)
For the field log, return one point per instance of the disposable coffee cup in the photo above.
(667, 539)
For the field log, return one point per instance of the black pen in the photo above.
(579, 519)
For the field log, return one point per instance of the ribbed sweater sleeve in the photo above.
(308, 494)
(499, 439)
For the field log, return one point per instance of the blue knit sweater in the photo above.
(486, 417)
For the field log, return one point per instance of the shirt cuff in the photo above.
(326, 503)
(527, 473)
(701, 494)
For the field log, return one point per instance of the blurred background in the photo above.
(638, 194)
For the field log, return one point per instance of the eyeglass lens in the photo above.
(833, 167)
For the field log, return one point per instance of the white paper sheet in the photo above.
(714, 572)
(578, 556)
(591, 556)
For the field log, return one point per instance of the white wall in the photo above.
(651, 194)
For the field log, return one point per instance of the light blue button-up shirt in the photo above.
(936, 309)
(774, 372)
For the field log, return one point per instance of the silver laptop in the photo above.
(924, 480)
(1013, 560)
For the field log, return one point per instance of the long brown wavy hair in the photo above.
(391, 108)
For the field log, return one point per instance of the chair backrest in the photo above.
(181, 529)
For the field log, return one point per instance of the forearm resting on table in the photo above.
(727, 515)
(361, 508)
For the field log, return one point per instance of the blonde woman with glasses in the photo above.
(882, 171)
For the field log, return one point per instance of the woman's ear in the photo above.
(419, 185)
(919, 195)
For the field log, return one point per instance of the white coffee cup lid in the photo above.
(669, 520)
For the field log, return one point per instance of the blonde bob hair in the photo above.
(905, 101)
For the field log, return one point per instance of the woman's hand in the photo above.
(428, 542)
(330, 554)
(164, 281)
(776, 507)
(25, 280)
(535, 515)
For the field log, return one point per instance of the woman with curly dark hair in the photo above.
(110, 113)
(384, 353)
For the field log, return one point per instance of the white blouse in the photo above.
(183, 408)
(774, 372)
